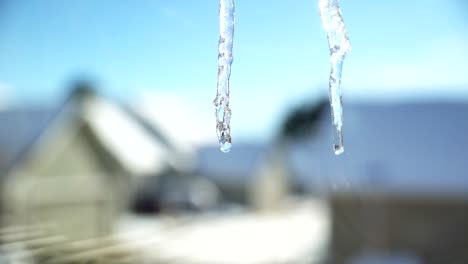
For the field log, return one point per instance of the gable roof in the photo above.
(406, 149)
(128, 141)
(233, 168)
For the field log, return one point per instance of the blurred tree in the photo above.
(303, 120)
(82, 88)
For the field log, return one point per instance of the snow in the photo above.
(296, 235)
(123, 136)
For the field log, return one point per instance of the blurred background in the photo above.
(108, 150)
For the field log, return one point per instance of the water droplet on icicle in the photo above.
(339, 44)
(221, 102)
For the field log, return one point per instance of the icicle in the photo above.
(339, 46)
(221, 102)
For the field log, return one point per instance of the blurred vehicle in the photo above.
(175, 193)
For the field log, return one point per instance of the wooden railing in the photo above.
(36, 244)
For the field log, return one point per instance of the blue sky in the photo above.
(401, 49)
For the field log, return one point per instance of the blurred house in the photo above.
(401, 186)
(74, 167)
(232, 172)
(260, 174)
(399, 191)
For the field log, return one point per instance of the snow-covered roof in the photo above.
(134, 147)
(233, 168)
(126, 138)
(410, 149)
(405, 149)
(182, 121)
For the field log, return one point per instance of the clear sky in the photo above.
(401, 49)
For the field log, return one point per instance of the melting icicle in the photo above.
(339, 46)
(221, 102)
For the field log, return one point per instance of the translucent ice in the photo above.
(339, 44)
(221, 102)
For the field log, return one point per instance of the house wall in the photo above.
(68, 183)
(270, 184)
(434, 230)
(69, 206)
(66, 153)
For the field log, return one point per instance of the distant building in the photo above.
(401, 186)
(399, 189)
(232, 172)
(74, 167)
